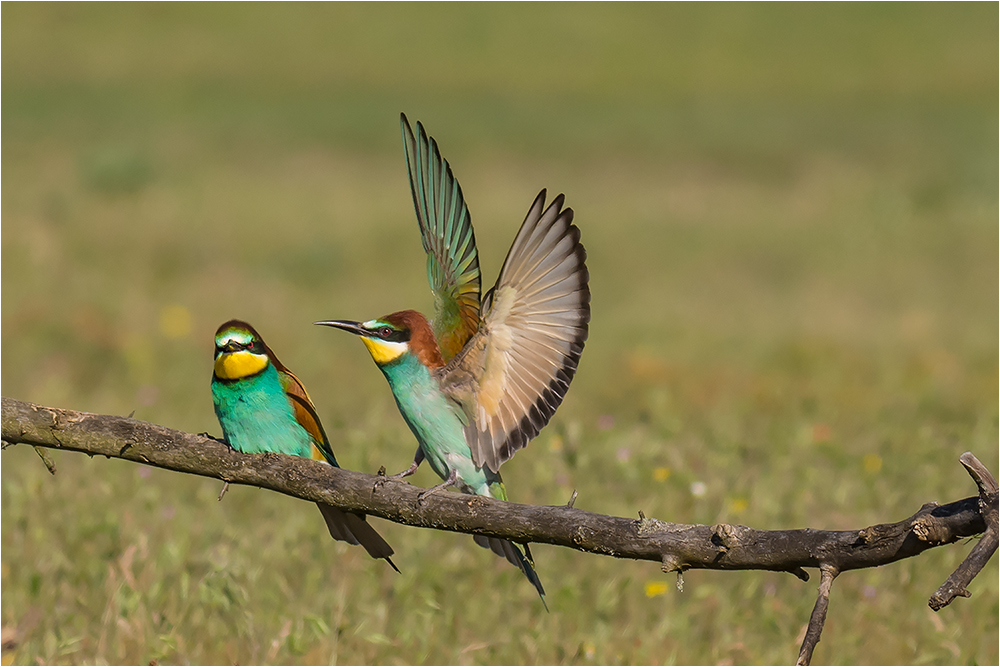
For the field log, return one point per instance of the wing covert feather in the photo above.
(304, 411)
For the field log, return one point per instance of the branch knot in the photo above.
(726, 536)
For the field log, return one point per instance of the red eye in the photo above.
(385, 332)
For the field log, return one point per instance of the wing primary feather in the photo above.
(448, 239)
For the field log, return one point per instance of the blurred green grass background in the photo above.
(791, 219)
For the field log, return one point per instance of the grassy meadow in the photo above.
(790, 214)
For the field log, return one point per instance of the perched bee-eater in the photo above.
(262, 407)
(482, 380)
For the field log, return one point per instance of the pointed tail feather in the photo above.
(509, 550)
(354, 529)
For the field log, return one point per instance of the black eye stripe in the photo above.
(391, 335)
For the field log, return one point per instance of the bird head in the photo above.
(239, 351)
(390, 338)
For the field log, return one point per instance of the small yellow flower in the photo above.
(661, 474)
(655, 588)
(873, 463)
(175, 321)
(738, 505)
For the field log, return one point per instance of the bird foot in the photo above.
(452, 479)
(423, 495)
(383, 479)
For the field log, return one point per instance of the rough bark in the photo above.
(955, 585)
(677, 547)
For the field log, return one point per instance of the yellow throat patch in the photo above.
(383, 351)
(236, 365)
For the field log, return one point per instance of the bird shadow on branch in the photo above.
(677, 547)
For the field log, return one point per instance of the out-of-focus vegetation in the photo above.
(791, 219)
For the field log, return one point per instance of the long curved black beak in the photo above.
(346, 325)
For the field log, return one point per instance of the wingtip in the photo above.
(406, 130)
(393, 566)
(558, 202)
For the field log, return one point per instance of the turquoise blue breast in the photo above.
(256, 416)
(436, 422)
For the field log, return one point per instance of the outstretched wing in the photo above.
(446, 232)
(513, 374)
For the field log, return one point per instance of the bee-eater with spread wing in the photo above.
(262, 407)
(482, 380)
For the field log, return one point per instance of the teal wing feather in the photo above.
(448, 239)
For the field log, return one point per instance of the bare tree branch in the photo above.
(677, 547)
(827, 574)
(955, 585)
